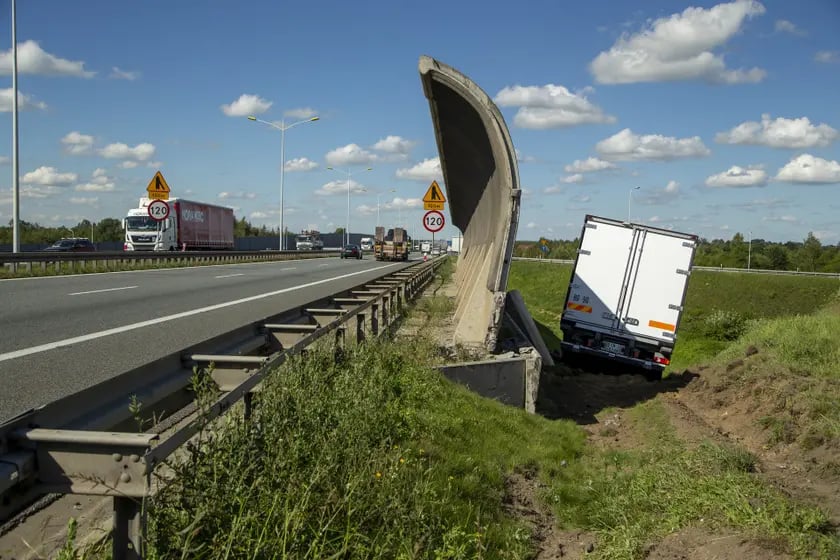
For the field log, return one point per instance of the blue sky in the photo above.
(724, 114)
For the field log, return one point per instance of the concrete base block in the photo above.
(503, 379)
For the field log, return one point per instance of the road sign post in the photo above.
(158, 189)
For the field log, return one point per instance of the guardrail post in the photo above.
(127, 536)
(374, 319)
(360, 328)
(249, 404)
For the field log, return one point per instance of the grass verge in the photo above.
(363, 454)
(633, 497)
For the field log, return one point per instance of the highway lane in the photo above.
(54, 343)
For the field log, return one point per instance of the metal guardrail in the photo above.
(711, 268)
(75, 445)
(16, 262)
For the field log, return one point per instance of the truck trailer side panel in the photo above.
(204, 226)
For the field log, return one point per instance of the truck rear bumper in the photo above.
(644, 364)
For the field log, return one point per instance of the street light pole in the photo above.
(347, 226)
(749, 251)
(282, 128)
(15, 158)
(378, 196)
(630, 202)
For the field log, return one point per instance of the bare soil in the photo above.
(701, 405)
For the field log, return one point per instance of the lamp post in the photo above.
(15, 158)
(630, 202)
(282, 127)
(378, 196)
(749, 250)
(349, 174)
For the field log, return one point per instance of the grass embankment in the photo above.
(116, 266)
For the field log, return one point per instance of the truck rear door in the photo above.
(595, 290)
(658, 282)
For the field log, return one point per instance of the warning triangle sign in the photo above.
(434, 194)
(158, 188)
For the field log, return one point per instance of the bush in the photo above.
(724, 325)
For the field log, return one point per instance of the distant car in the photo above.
(351, 252)
(435, 252)
(72, 245)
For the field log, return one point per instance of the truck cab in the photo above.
(142, 233)
(367, 243)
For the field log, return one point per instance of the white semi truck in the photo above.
(190, 225)
(627, 291)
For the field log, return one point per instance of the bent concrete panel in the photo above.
(482, 187)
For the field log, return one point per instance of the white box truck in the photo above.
(626, 292)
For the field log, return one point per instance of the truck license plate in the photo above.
(613, 347)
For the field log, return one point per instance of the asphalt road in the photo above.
(59, 335)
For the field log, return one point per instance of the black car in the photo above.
(72, 244)
(351, 252)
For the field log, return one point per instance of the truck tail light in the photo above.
(661, 360)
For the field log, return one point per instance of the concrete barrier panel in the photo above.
(481, 179)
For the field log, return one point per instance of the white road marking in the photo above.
(231, 275)
(100, 291)
(170, 269)
(320, 265)
(134, 326)
(290, 268)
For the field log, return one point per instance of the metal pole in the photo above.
(379, 196)
(282, 174)
(347, 227)
(15, 159)
(749, 252)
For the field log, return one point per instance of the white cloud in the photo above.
(300, 164)
(118, 150)
(554, 189)
(128, 164)
(576, 178)
(32, 59)
(582, 198)
(31, 191)
(426, 170)
(395, 204)
(523, 158)
(155, 164)
(827, 57)
(526, 193)
(627, 146)
(532, 225)
(24, 101)
(550, 106)
(779, 133)
(118, 74)
(339, 187)
(89, 200)
(762, 204)
(260, 215)
(737, 176)
(679, 47)
(658, 196)
(99, 182)
(77, 144)
(350, 154)
(394, 145)
(247, 104)
(810, 169)
(789, 219)
(239, 195)
(300, 113)
(48, 176)
(587, 165)
(785, 26)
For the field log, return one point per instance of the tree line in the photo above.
(110, 229)
(808, 255)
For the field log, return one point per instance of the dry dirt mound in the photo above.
(695, 543)
(549, 542)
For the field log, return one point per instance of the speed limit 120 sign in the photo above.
(158, 210)
(433, 221)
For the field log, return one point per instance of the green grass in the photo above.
(367, 454)
(630, 498)
(719, 307)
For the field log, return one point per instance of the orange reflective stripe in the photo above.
(661, 325)
(579, 307)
